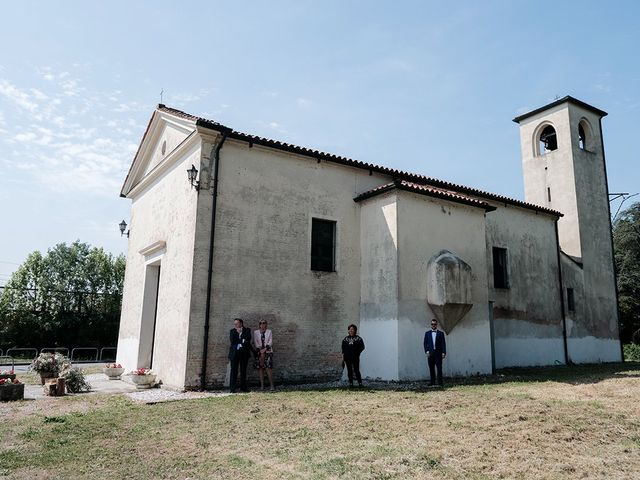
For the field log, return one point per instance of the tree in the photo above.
(69, 297)
(626, 240)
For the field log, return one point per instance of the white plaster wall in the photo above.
(379, 286)
(584, 348)
(528, 352)
(600, 317)
(552, 170)
(266, 201)
(425, 227)
(530, 309)
(164, 211)
(594, 350)
(172, 136)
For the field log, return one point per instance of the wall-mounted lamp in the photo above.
(192, 174)
(123, 227)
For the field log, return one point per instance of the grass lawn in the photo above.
(578, 422)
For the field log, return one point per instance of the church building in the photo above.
(226, 224)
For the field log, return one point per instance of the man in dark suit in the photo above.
(435, 347)
(239, 353)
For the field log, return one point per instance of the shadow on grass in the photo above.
(572, 374)
(569, 374)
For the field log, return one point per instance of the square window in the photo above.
(500, 268)
(323, 245)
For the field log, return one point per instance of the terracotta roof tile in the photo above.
(429, 190)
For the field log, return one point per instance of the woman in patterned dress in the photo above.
(263, 344)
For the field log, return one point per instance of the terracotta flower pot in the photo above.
(113, 373)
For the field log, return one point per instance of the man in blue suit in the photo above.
(435, 347)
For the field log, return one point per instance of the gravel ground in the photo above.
(157, 395)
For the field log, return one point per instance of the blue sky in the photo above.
(417, 86)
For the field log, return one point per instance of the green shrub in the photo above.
(632, 352)
(75, 381)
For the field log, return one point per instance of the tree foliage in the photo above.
(626, 239)
(70, 296)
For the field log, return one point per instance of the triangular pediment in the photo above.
(164, 134)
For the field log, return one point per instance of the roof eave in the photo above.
(319, 155)
(374, 192)
(443, 196)
(397, 185)
(555, 103)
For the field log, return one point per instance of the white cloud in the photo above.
(38, 94)
(130, 107)
(273, 125)
(17, 96)
(602, 88)
(303, 102)
(25, 137)
(71, 88)
(184, 97)
(57, 139)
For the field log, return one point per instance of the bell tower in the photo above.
(563, 166)
(564, 169)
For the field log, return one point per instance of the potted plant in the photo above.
(75, 380)
(11, 389)
(113, 370)
(143, 378)
(7, 374)
(49, 365)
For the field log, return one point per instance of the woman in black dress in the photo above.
(352, 347)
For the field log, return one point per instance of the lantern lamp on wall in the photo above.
(192, 175)
(123, 227)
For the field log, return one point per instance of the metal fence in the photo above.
(24, 355)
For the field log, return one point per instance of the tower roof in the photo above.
(567, 99)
